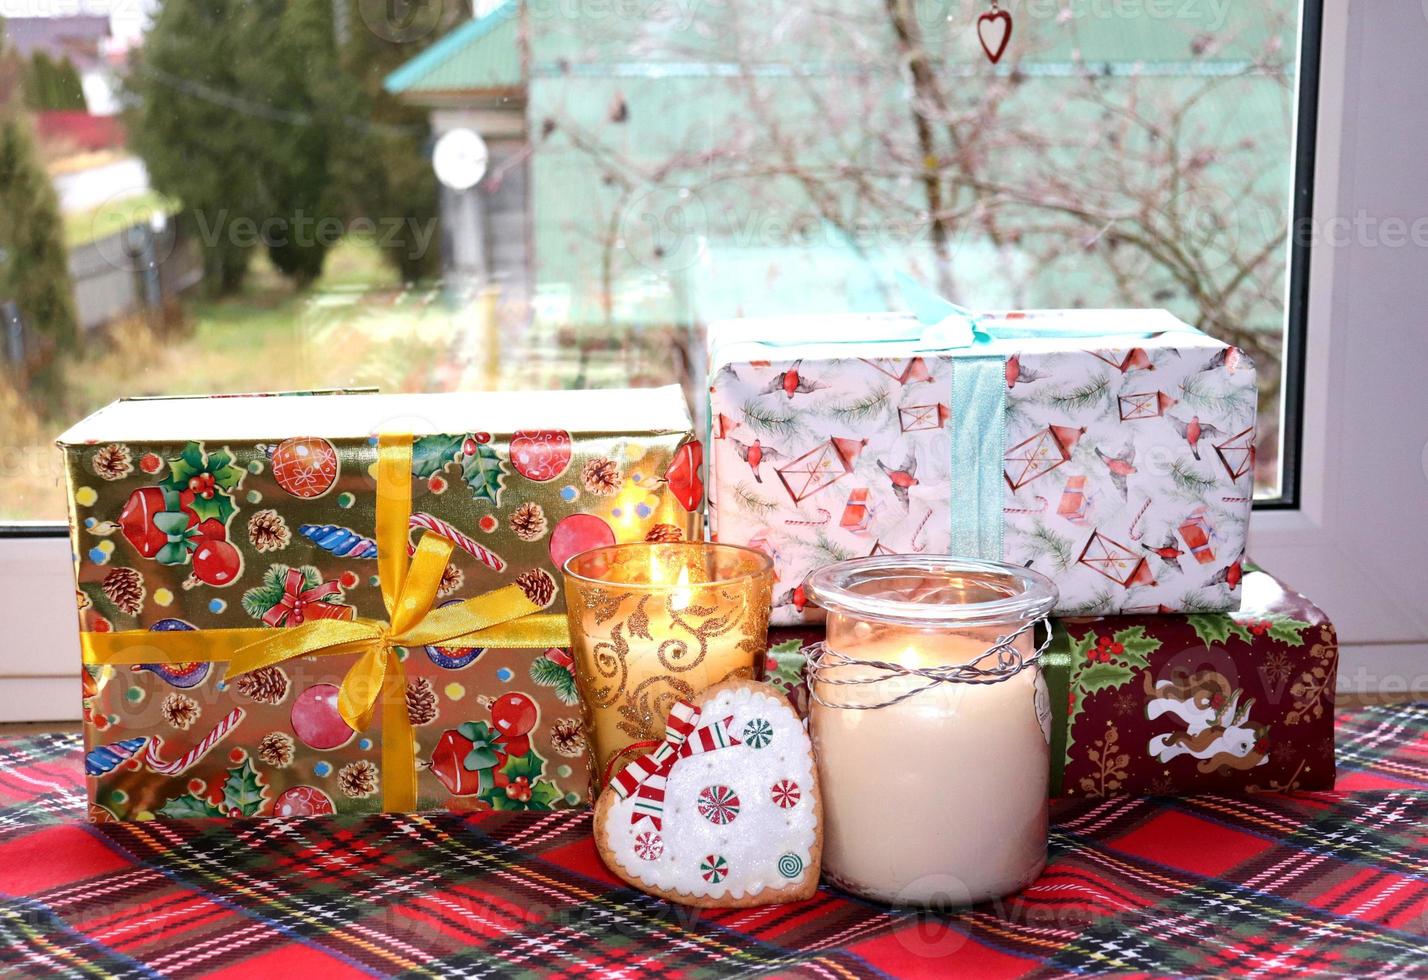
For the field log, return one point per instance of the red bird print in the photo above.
(1167, 552)
(1231, 359)
(792, 597)
(791, 382)
(1231, 575)
(901, 478)
(1120, 467)
(754, 453)
(726, 425)
(1192, 431)
(1017, 373)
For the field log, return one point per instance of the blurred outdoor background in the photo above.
(241, 195)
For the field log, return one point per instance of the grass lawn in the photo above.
(83, 227)
(358, 326)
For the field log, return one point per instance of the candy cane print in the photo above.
(824, 516)
(925, 518)
(1236, 500)
(1136, 533)
(1029, 510)
(156, 762)
(462, 540)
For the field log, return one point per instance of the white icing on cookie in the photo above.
(737, 820)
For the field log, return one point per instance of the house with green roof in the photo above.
(473, 79)
(676, 163)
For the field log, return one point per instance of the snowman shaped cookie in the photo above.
(726, 812)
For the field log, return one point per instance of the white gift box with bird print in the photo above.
(1110, 449)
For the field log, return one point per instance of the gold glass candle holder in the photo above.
(653, 623)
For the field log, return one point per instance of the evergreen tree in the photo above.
(237, 108)
(392, 176)
(196, 145)
(34, 268)
(301, 78)
(69, 89)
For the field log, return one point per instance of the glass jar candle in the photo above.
(653, 623)
(932, 727)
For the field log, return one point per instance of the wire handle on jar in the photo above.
(1009, 662)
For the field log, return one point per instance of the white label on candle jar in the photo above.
(1043, 705)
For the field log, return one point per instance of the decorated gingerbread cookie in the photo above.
(725, 813)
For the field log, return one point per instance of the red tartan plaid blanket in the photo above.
(1317, 883)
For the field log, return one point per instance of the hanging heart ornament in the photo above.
(994, 29)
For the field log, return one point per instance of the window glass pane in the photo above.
(236, 195)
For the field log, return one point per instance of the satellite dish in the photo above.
(459, 159)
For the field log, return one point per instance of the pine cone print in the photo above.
(357, 779)
(452, 578)
(268, 685)
(125, 588)
(601, 477)
(276, 749)
(113, 462)
(568, 737)
(528, 521)
(664, 534)
(267, 531)
(421, 701)
(538, 586)
(180, 710)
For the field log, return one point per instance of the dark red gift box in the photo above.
(1176, 704)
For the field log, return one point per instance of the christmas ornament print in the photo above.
(1105, 450)
(302, 801)
(105, 758)
(577, 533)
(541, 455)
(658, 816)
(305, 466)
(340, 541)
(456, 658)
(316, 721)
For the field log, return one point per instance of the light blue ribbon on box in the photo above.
(979, 395)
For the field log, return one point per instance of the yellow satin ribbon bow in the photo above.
(504, 617)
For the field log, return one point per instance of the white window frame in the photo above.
(1358, 539)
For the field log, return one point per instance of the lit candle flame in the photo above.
(910, 656)
(682, 594)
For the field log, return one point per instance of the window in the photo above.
(314, 194)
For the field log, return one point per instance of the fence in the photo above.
(130, 271)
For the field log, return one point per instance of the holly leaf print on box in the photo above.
(1287, 631)
(1100, 676)
(188, 806)
(1217, 629)
(1212, 629)
(430, 454)
(485, 473)
(1136, 646)
(243, 791)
